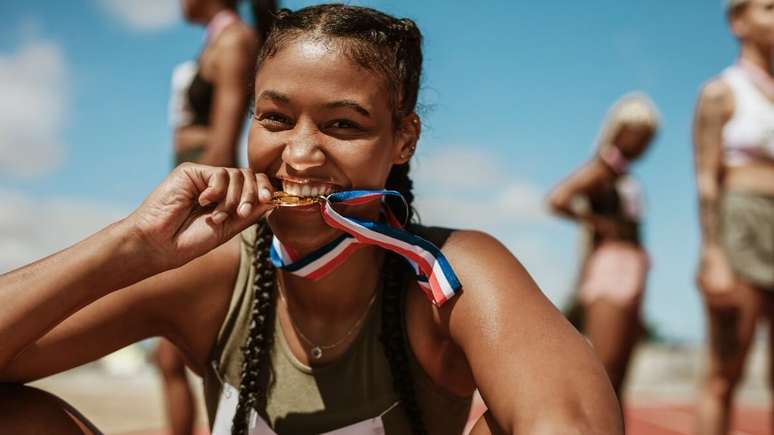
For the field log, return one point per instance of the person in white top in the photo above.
(734, 150)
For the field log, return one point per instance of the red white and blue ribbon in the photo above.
(433, 272)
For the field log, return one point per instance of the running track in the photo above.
(678, 419)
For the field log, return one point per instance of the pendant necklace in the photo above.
(316, 350)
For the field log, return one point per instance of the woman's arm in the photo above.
(35, 298)
(590, 176)
(193, 211)
(236, 53)
(535, 372)
(713, 110)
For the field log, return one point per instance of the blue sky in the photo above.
(513, 95)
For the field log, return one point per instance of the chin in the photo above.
(302, 228)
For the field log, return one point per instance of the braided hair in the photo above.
(392, 48)
(257, 347)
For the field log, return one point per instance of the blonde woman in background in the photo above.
(606, 200)
(734, 147)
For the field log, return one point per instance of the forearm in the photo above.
(568, 207)
(709, 201)
(37, 297)
(708, 216)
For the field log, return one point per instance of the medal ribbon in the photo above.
(433, 271)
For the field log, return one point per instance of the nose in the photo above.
(303, 151)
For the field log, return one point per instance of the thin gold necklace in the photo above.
(316, 350)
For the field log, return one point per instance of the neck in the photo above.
(758, 55)
(342, 293)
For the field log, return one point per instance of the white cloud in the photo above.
(32, 228)
(459, 168)
(465, 187)
(143, 14)
(459, 187)
(33, 84)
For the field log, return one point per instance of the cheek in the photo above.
(368, 167)
(261, 152)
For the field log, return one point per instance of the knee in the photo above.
(721, 384)
(169, 360)
(27, 410)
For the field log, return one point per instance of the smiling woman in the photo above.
(331, 317)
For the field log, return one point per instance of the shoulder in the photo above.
(490, 275)
(238, 36)
(716, 97)
(715, 89)
(468, 251)
(478, 257)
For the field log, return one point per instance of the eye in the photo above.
(273, 120)
(343, 124)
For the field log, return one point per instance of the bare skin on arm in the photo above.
(564, 199)
(195, 210)
(715, 107)
(503, 335)
(235, 52)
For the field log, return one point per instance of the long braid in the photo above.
(256, 351)
(395, 275)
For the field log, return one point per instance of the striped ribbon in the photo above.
(433, 272)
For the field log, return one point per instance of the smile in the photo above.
(306, 188)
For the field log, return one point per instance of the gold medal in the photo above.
(282, 199)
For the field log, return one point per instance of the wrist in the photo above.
(134, 247)
(711, 247)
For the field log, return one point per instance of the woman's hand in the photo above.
(196, 208)
(715, 277)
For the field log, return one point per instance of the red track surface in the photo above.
(678, 419)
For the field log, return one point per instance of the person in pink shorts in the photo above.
(607, 201)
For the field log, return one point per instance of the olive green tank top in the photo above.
(352, 395)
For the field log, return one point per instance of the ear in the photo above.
(738, 25)
(406, 138)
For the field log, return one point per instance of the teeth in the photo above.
(304, 189)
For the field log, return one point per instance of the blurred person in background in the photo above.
(734, 152)
(607, 201)
(208, 107)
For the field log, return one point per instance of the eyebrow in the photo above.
(350, 104)
(282, 98)
(274, 96)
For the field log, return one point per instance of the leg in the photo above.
(769, 313)
(730, 333)
(613, 329)
(181, 411)
(30, 411)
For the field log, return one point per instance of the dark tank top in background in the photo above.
(200, 94)
(611, 203)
